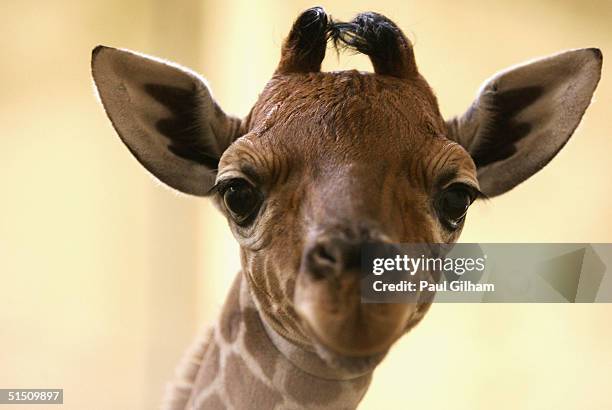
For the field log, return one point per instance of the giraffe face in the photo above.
(307, 186)
(327, 161)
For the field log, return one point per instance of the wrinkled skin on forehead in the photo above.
(336, 150)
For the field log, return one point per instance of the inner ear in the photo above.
(182, 123)
(505, 124)
(523, 116)
(166, 116)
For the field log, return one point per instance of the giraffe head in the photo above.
(326, 161)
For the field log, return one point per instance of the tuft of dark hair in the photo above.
(310, 29)
(304, 48)
(369, 33)
(379, 38)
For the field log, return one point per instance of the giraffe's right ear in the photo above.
(165, 115)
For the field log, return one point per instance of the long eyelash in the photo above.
(221, 186)
(480, 195)
(213, 190)
(476, 194)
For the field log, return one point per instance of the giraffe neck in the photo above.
(242, 364)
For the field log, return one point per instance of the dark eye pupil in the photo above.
(241, 199)
(454, 204)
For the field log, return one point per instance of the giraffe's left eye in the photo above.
(241, 199)
(452, 205)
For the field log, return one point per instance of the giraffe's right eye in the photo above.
(241, 199)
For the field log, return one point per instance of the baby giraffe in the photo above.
(323, 163)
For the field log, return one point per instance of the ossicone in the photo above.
(380, 39)
(304, 48)
(369, 33)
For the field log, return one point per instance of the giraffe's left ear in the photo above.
(523, 116)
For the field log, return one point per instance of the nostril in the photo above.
(322, 261)
(324, 256)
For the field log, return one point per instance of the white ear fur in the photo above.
(166, 116)
(523, 116)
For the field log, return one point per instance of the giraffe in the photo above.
(323, 163)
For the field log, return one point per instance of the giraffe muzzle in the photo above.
(328, 300)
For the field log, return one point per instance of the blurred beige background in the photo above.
(105, 276)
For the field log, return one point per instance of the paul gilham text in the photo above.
(453, 286)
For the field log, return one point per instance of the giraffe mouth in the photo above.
(335, 319)
(327, 295)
